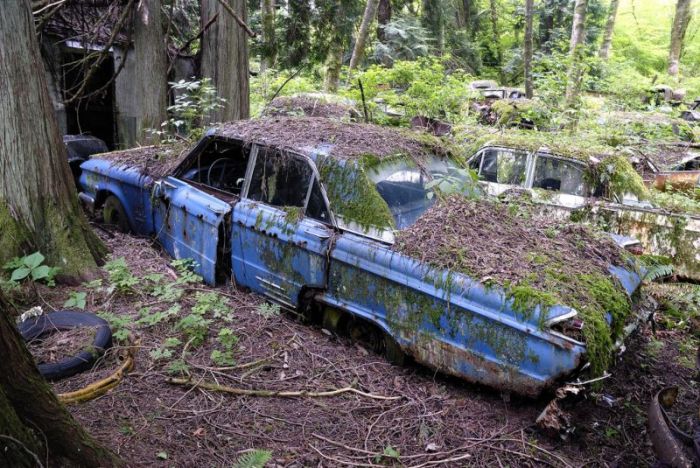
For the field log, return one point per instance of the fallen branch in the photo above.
(238, 19)
(100, 387)
(276, 393)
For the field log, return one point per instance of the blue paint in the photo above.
(446, 320)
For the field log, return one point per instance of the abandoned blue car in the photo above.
(347, 219)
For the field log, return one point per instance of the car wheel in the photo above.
(44, 325)
(113, 213)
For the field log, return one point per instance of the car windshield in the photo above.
(559, 175)
(402, 185)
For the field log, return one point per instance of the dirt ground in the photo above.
(430, 420)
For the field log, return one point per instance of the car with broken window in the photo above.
(673, 166)
(340, 220)
(585, 183)
(692, 114)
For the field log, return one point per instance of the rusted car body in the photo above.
(681, 172)
(283, 222)
(560, 184)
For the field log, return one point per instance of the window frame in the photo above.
(315, 176)
(535, 155)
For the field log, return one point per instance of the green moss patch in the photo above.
(537, 261)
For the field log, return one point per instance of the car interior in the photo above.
(220, 165)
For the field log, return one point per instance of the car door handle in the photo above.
(317, 233)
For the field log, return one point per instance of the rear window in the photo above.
(502, 166)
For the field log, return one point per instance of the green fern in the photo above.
(254, 459)
(656, 266)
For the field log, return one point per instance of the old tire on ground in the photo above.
(36, 327)
(113, 213)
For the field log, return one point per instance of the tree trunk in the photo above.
(363, 33)
(383, 18)
(35, 404)
(333, 64)
(496, 37)
(680, 26)
(225, 59)
(527, 53)
(297, 33)
(151, 81)
(604, 52)
(269, 44)
(546, 25)
(38, 205)
(578, 32)
(433, 20)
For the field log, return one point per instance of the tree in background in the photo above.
(433, 19)
(268, 55)
(297, 33)
(681, 19)
(225, 58)
(363, 33)
(576, 53)
(150, 83)
(527, 49)
(604, 52)
(383, 18)
(39, 211)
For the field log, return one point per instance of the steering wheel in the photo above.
(221, 176)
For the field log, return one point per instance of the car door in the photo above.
(191, 210)
(282, 228)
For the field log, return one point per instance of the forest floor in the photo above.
(430, 420)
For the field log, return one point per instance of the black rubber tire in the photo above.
(113, 213)
(43, 325)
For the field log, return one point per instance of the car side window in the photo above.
(504, 166)
(316, 208)
(559, 175)
(280, 179)
(220, 165)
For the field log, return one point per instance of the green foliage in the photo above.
(194, 100)
(119, 324)
(254, 459)
(120, 277)
(195, 328)
(213, 303)
(268, 310)
(421, 87)
(457, 181)
(76, 300)
(30, 267)
(404, 39)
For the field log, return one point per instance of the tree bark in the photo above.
(225, 59)
(333, 64)
(269, 44)
(604, 52)
(383, 18)
(496, 36)
(38, 204)
(363, 33)
(578, 33)
(433, 20)
(297, 33)
(151, 74)
(681, 19)
(28, 402)
(527, 53)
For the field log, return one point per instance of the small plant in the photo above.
(119, 325)
(268, 310)
(165, 350)
(214, 303)
(120, 277)
(76, 300)
(194, 327)
(149, 318)
(227, 340)
(194, 100)
(31, 267)
(178, 367)
(254, 459)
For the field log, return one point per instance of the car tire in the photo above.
(43, 325)
(113, 213)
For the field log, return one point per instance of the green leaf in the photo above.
(162, 455)
(20, 273)
(40, 272)
(34, 260)
(254, 459)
